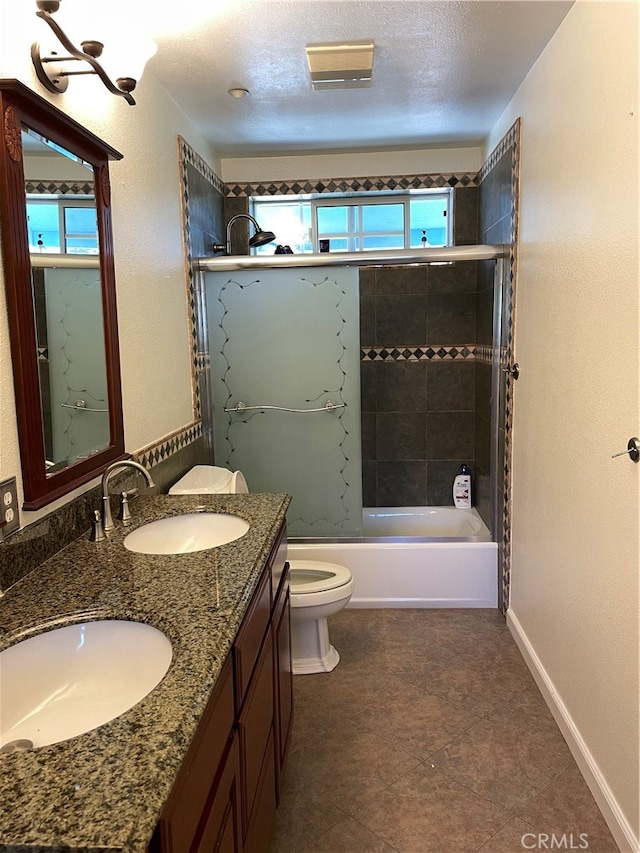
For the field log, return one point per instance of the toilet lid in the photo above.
(316, 576)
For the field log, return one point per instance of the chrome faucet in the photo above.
(107, 517)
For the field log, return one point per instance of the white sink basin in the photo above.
(68, 681)
(182, 534)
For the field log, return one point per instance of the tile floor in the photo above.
(429, 737)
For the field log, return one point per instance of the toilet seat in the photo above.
(314, 576)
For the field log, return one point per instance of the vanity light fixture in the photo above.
(51, 69)
(260, 237)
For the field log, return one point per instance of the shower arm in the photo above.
(219, 247)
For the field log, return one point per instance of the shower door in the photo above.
(283, 340)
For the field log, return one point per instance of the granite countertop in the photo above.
(104, 790)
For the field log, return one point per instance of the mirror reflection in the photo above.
(64, 248)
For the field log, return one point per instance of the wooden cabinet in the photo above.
(283, 681)
(225, 795)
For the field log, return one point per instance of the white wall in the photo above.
(351, 165)
(152, 304)
(574, 583)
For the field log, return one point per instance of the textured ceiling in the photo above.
(444, 70)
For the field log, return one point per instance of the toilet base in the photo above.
(311, 651)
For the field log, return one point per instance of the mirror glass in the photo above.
(62, 226)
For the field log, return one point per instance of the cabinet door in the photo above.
(255, 726)
(283, 717)
(222, 831)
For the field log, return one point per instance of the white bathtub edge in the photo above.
(457, 574)
(614, 816)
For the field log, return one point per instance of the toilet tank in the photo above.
(208, 480)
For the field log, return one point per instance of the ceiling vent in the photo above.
(341, 66)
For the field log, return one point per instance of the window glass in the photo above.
(43, 224)
(289, 221)
(333, 220)
(381, 242)
(383, 217)
(428, 217)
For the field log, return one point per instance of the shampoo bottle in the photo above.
(462, 489)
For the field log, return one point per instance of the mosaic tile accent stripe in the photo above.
(167, 446)
(427, 352)
(510, 142)
(190, 156)
(345, 185)
(58, 188)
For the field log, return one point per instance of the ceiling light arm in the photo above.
(55, 79)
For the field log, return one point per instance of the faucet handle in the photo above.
(124, 515)
(97, 529)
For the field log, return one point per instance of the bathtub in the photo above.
(414, 557)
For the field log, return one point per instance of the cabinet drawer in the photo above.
(181, 817)
(255, 726)
(250, 636)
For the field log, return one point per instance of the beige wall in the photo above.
(351, 165)
(574, 586)
(152, 305)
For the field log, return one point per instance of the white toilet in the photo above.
(210, 480)
(318, 589)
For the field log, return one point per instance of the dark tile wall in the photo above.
(418, 417)
(206, 213)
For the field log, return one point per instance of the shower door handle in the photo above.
(632, 451)
(513, 370)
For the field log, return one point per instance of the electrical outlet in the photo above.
(9, 511)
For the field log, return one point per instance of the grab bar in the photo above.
(80, 406)
(329, 406)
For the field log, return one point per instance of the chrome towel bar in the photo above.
(329, 406)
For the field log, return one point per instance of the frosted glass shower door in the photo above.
(290, 338)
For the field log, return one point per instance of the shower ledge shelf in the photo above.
(382, 257)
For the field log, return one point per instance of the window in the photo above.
(357, 222)
(62, 226)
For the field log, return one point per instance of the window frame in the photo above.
(64, 202)
(359, 201)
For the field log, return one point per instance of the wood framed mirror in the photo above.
(57, 250)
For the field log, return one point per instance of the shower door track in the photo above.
(370, 258)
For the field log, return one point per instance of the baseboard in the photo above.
(618, 824)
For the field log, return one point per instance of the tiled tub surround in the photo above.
(104, 790)
(419, 415)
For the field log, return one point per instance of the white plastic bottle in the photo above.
(462, 488)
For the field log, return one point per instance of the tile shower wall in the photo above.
(419, 413)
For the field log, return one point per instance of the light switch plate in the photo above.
(9, 511)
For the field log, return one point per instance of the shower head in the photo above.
(261, 238)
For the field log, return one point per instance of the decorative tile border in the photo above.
(426, 352)
(188, 155)
(346, 185)
(59, 188)
(167, 446)
(509, 143)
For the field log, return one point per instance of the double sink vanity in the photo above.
(147, 685)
